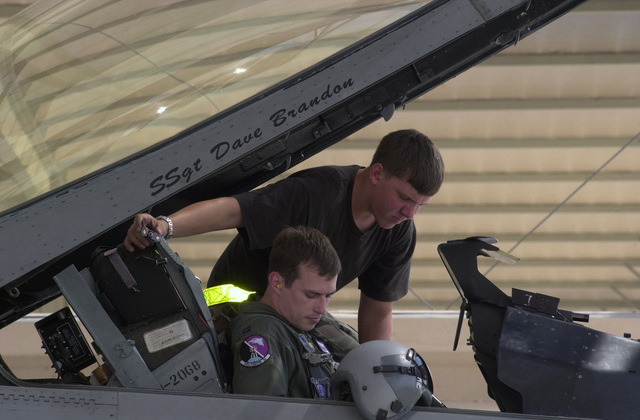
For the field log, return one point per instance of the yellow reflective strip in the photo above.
(225, 293)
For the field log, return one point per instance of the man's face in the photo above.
(307, 299)
(396, 201)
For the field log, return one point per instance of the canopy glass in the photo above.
(81, 92)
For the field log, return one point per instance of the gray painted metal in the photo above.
(130, 370)
(129, 367)
(70, 403)
(595, 369)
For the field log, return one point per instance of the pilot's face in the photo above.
(306, 300)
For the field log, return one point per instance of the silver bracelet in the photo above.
(170, 223)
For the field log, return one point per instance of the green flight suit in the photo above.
(273, 358)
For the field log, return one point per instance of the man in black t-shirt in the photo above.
(367, 213)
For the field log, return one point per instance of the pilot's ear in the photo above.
(276, 282)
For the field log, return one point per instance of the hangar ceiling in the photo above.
(542, 152)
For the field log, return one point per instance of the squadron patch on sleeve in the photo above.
(254, 351)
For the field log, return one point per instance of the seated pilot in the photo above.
(273, 352)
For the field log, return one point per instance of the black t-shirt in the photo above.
(319, 198)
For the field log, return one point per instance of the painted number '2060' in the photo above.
(185, 373)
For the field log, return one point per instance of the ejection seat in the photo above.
(156, 333)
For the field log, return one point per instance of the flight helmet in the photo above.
(385, 379)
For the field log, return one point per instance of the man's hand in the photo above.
(134, 237)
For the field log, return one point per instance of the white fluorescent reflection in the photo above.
(161, 109)
(240, 70)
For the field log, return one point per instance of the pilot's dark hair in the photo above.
(412, 156)
(295, 246)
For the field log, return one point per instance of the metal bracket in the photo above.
(125, 348)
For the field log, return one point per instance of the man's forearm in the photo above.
(207, 216)
(380, 331)
(375, 320)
